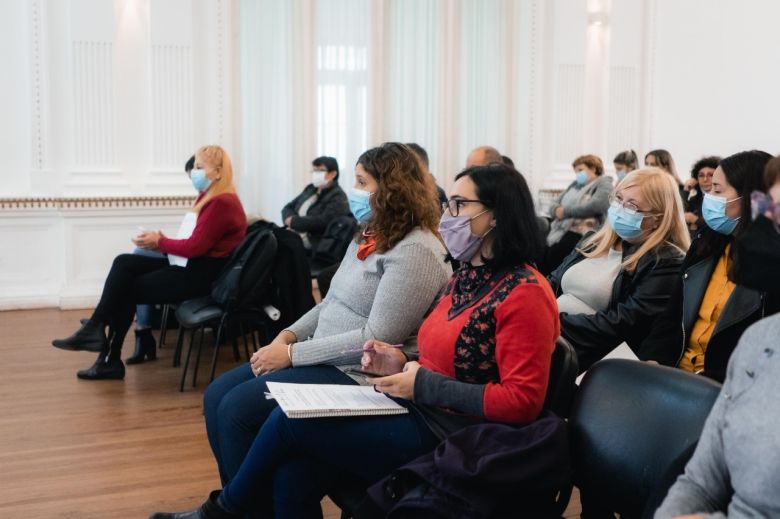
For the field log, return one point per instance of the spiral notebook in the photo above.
(324, 400)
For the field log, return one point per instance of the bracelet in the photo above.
(289, 352)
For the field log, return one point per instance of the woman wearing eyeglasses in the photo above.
(614, 284)
(708, 310)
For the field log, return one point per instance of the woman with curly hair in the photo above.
(386, 283)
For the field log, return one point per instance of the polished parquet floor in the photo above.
(99, 449)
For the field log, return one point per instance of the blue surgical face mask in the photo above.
(581, 178)
(358, 204)
(713, 209)
(199, 180)
(621, 175)
(625, 224)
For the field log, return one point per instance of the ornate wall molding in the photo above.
(118, 202)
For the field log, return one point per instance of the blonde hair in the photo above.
(217, 158)
(659, 190)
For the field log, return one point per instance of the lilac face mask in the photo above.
(457, 235)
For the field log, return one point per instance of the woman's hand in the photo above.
(148, 240)
(559, 213)
(272, 357)
(381, 358)
(288, 221)
(691, 218)
(400, 385)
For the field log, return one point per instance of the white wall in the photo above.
(102, 98)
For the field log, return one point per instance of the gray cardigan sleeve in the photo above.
(439, 390)
(705, 487)
(412, 278)
(595, 206)
(306, 325)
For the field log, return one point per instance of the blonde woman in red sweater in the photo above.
(134, 279)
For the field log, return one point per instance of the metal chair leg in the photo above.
(217, 340)
(164, 324)
(177, 351)
(246, 344)
(186, 362)
(197, 357)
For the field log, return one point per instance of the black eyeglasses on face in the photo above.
(454, 205)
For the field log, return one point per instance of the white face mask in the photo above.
(318, 178)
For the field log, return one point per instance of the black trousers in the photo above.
(135, 279)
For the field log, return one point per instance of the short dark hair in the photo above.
(190, 164)
(627, 158)
(516, 237)
(507, 161)
(420, 151)
(329, 162)
(704, 162)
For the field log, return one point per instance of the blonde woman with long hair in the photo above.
(613, 285)
(220, 225)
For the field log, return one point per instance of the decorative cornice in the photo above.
(114, 202)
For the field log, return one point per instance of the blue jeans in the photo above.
(235, 409)
(293, 463)
(143, 313)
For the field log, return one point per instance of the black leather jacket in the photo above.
(331, 204)
(668, 340)
(638, 298)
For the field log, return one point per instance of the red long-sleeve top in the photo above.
(512, 359)
(220, 227)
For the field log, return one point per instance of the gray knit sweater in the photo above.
(384, 297)
(736, 466)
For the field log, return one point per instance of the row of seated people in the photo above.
(484, 334)
(582, 207)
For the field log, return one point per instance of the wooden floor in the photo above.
(98, 449)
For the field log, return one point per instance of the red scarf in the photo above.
(367, 248)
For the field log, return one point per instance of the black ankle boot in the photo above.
(90, 337)
(104, 368)
(144, 347)
(211, 509)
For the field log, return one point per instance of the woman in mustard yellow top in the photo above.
(707, 311)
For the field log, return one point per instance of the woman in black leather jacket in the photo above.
(708, 312)
(614, 284)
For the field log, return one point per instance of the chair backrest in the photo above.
(629, 422)
(334, 241)
(563, 378)
(247, 272)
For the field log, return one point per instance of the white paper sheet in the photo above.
(185, 231)
(313, 400)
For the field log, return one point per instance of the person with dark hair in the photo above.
(320, 202)
(145, 345)
(484, 356)
(696, 187)
(220, 225)
(709, 309)
(506, 161)
(581, 208)
(420, 151)
(735, 464)
(625, 162)
(386, 283)
(663, 159)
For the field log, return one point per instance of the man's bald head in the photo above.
(482, 156)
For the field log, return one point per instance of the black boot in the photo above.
(90, 337)
(211, 509)
(144, 347)
(106, 367)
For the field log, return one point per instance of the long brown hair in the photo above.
(660, 191)
(406, 197)
(217, 158)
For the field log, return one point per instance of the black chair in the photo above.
(245, 310)
(629, 423)
(560, 392)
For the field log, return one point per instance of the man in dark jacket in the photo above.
(320, 202)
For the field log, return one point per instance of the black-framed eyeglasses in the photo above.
(454, 205)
